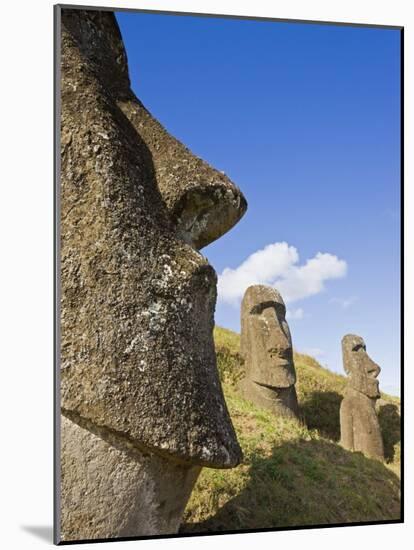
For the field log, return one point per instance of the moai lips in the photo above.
(266, 346)
(138, 365)
(360, 429)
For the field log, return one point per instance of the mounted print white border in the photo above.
(27, 300)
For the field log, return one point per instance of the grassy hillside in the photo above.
(295, 473)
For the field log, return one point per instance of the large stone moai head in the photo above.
(138, 365)
(266, 346)
(360, 429)
(360, 368)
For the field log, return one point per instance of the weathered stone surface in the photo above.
(202, 203)
(266, 346)
(137, 311)
(111, 497)
(360, 429)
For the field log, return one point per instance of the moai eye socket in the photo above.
(358, 347)
(257, 310)
(278, 308)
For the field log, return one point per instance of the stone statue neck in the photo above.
(354, 392)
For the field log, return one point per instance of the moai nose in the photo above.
(373, 369)
(279, 342)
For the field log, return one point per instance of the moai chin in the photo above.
(360, 429)
(142, 406)
(266, 346)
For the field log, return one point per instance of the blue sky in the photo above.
(304, 118)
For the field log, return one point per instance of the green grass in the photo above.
(294, 473)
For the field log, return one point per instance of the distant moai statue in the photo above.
(142, 406)
(360, 429)
(266, 346)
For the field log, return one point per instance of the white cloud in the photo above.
(344, 302)
(295, 314)
(277, 265)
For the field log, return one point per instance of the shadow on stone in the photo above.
(43, 532)
(321, 412)
(390, 423)
(307, 483)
